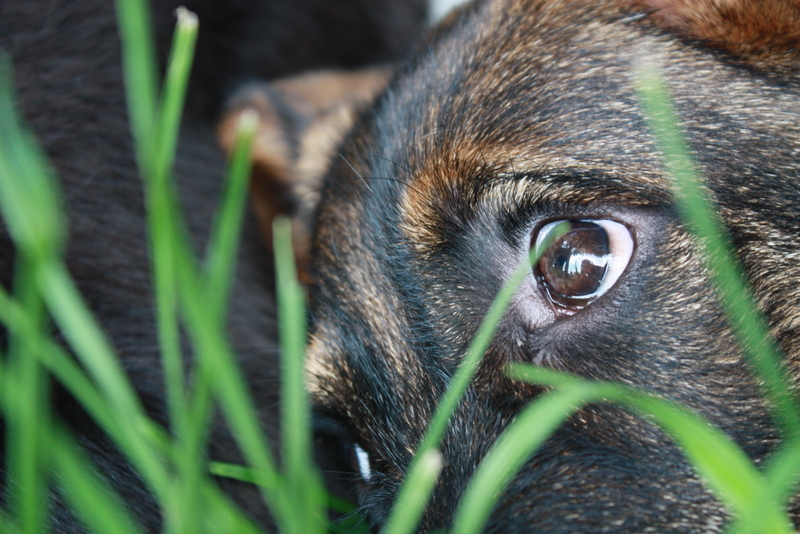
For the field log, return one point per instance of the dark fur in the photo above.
(69, 81)
(519, 112)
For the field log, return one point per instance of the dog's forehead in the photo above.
(523, 87)
(548, 88)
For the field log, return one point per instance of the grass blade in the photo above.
(304, 483)
(170, 110)
(417, 488)
(26, 182)
(27, 412)
(224, 240)
(168, 244)
(216, 360)
(90, 496)
(782, 471)
(163, 212)
(139, 65)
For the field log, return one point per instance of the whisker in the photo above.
(357, 173)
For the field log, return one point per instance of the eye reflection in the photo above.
(362, 459)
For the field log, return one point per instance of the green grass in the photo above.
(192, 296)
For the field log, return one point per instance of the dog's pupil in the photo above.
(576, 262)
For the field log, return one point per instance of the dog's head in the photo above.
(515, 115)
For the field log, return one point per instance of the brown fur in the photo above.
(320, 107)
(765, 34)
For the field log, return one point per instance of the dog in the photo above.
(414, 201)
(68, 77)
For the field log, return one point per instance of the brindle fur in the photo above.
(518, 112)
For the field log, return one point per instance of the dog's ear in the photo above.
(765, 34)
(302, 121)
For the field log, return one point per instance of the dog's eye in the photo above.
(582, 260)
